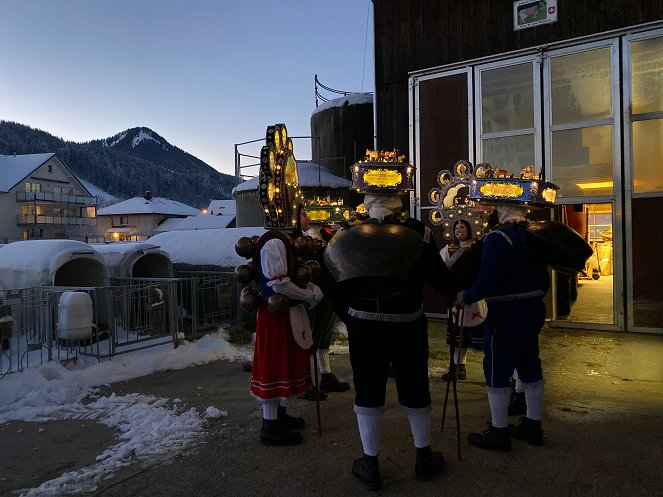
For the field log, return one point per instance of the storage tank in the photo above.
(344, 127)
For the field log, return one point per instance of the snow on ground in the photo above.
(149, 427)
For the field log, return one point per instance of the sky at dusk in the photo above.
(204, 74)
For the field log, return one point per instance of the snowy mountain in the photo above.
(127, 164)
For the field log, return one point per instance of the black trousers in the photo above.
(374, 346)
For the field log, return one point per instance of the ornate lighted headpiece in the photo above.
(382, 171)
(526, 190)
(279, 185)
(451, 201)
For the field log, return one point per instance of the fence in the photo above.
(128, 315)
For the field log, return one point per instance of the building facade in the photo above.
(576, 92)
(41, 198)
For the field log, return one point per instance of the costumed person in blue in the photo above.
(380, 268)
(283, 331)
(473, 314)
(513, 279)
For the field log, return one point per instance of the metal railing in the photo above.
(31, 220)
(61, 198)
(319, 97)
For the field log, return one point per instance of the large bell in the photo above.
(249, 300)
(278, 303)
(315, 268)
(243, 274)
(244, 247)
(302, 245)
(303, 275)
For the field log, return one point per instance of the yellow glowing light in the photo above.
(509, 190)
(383, 177)
(595, 185)
(116, 236)
(549, 194)
(204, 211)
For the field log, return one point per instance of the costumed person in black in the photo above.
(513, 281)
(380, 267)
(474, 314)
(323, 318)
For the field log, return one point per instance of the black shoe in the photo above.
(272, 433)
(492, 439)
(428, 463)
(462, 373)
(330, 383)
(528, 430)
(367, 470)
(517, 403)
(289, 422)
(311, 394)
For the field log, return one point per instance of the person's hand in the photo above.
(458, 300)
(315, 292)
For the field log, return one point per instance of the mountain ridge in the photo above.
(126, 164)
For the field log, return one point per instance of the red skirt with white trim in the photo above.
(281, 368)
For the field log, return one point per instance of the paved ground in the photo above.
(603, 424)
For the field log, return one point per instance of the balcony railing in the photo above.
(61, 198)
(32, 220)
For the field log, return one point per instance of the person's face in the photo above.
(461, 233)
(304, 220)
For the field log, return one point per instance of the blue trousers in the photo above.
(512, 341)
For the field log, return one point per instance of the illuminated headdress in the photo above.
(527, 190)
(279, 185)
(382, 171)
(451, 201)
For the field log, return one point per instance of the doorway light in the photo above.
(595, 185)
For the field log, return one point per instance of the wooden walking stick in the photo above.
(455, 327)
(316, 376)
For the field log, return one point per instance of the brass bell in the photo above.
(249, 300)
(244, 247)
(303, 245)
(243, 274)
(278, 303)
(315, 268)
(303, 275)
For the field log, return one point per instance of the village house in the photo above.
(140, 217)
(41, 198)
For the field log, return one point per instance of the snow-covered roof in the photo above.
(199, 222)
(353, 99)
(14, 168)
(155, 205)
(30, 263)
(222, 208)
(310, 175)
(215, 247)
(103, 198)
(120, 257)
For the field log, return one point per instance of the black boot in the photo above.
(528, 430)
(312, 394)
(289, 422)
(517, 403)
(272, 433)
(462, 372)
(428, 463)
(492, 439)
(367, 470)
(330, 383)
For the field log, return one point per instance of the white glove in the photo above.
(315, 289)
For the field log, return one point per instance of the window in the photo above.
(647, 114)
(508, 116)
(32, 187)
(124, 220)
(50, 168)
(581, 123)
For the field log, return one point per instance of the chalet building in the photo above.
(572, 87)
(41, 198)
(138, 218)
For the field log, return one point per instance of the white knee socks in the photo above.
(498, 399)
(323, 361)
(369, 420)
(419, 425)
(460, 355)
(270, 408)
(534, 399)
